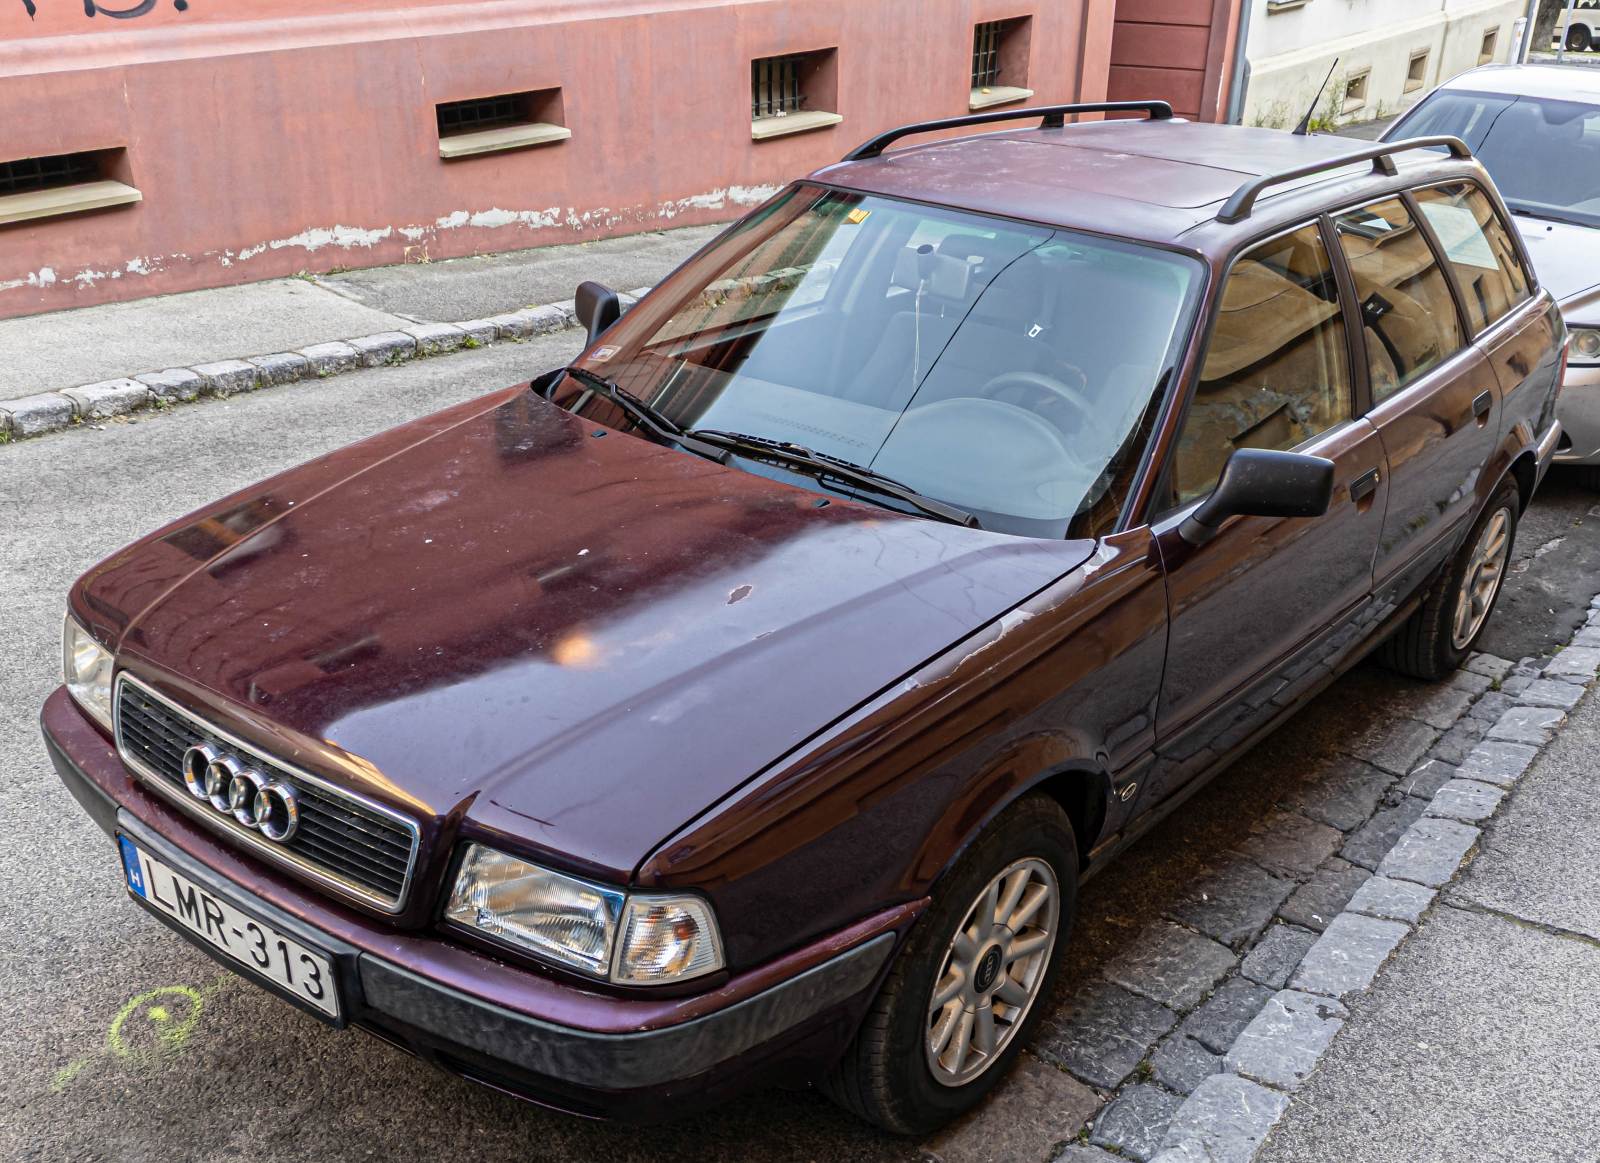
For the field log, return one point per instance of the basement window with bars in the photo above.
(1000, 62)
(66, 183)
(501, 122)
(793, 93)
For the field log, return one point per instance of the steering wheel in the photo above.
(1083, 412)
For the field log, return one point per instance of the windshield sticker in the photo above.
(857, 216)
(601, 354)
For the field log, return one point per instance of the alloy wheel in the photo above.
(1486, 569)
(992, 970)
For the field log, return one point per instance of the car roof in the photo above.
(1557, 82)
(1150, 180)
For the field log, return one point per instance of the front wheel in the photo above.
(1457, 604)
(1578, 39)
(964, 994)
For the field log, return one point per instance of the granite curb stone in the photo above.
(1430, 851)
(229, 377)
(175, 383)
(1392, 900)
(1281, 1046)
(1348, 955)
(1466, 800)
(108, 398)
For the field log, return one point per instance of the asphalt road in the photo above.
(126, 1044)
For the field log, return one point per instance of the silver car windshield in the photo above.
(1008, 369)
(1542, 153)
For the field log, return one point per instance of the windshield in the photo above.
(1006, 369)
(1543, 154)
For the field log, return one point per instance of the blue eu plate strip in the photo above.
(130, 864)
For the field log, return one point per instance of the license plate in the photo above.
(302, 973)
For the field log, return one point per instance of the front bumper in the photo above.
(1578, 408)
(579, 1050)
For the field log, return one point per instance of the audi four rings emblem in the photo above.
(270, 806)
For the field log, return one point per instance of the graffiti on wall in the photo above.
(95, 8)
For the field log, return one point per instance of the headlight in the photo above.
(86, 669)
(1585, 351)
(577, 924)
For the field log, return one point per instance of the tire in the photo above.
(890, 1075)
(1438, 636)
(1578, 38)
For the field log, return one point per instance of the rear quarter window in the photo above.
(1478, 247)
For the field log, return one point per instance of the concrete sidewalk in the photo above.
(1481, 1039)
(94, 355)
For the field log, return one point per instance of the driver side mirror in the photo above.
(597, 308)
(1261, 482)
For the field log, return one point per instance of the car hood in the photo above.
(1566, 257)
(563, 633)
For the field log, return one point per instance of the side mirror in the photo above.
(1260, 482)
(597, 308)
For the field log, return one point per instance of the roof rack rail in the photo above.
(1238, 207)
(1050, 117)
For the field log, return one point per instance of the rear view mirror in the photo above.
(597, 308)
(1261, 482)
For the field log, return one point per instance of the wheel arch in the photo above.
(1525, 471)
(1079, 784)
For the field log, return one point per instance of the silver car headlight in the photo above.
(628, 938)
(86, 669)
(1585, 349)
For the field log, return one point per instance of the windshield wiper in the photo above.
(655, 422)
(820, 465)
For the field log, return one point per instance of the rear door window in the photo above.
(1478, 247)
(1276, 371)
(1408, 312)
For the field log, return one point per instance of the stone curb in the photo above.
(53, 411)
(1228, 1116)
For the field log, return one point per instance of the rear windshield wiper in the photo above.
(820, 465)
(655, 422)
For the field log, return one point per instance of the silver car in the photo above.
(1536, 128)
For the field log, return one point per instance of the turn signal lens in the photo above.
(86, 669)
(667, 938)
(1585, 350)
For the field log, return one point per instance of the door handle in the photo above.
(1364, 485)
(1481, 403)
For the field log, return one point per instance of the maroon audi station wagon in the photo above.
(745, 702)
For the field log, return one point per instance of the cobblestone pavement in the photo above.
(1180, 944)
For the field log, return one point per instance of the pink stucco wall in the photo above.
(274, 136)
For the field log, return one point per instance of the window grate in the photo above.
(986, 54)
(43, 173)
(775, 86)
(479, 113)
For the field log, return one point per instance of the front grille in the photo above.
(356, 847)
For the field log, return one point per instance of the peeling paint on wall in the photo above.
(351, 238)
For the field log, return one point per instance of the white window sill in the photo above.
(1285, 5)
(764, 127)
(503, 138)
(996, 95)
(65, 200)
